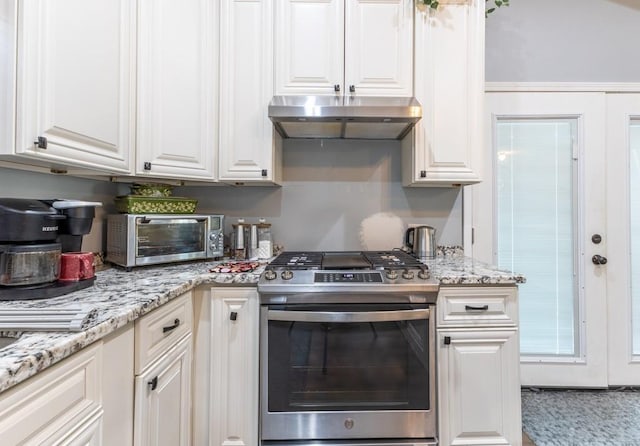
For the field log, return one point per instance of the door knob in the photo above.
(599, 260)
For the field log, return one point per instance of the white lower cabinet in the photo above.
(163, 353)
(234, 366)
(478, 367)
(89, 434)
(60, 406)
(226, 367)
(163, 399)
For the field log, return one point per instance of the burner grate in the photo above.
(298, 260)
(392, 259)
(316, 260)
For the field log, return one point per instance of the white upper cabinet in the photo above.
(177, 89)
(344, 46)
(248, 150)
(449, 83)
(74, 83)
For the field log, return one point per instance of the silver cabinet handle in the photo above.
(348, 317)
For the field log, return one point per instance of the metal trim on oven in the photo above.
(347, 316)
(390, 428)
(351, 443)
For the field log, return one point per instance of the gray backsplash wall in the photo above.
(23, 184)
(335, 195)
(338, 194)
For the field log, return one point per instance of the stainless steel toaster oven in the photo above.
(136, 240)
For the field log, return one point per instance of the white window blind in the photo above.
(634, 208)
(535, 227)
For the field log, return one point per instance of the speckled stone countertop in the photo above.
(120, 297)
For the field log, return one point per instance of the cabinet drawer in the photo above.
(54, 402)
(159, 330)
(476, 306)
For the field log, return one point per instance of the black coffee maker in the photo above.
(33, 235)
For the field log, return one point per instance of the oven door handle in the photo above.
(348, 316)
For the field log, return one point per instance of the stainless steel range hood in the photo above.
(347, 117)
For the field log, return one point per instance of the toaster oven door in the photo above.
(160, 240)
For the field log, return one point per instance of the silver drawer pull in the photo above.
(472, 308)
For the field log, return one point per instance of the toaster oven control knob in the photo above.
(213, 236)
(270, 274)
(406, 274)
(286, 275)
(392, 274)
(424, 274)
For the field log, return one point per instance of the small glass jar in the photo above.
(265, 244)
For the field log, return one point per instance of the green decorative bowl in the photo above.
(151, 189)
(138, 204)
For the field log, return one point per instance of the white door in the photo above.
(542, 202)
(623, 213)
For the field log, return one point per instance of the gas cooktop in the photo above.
(339, 260)
(371, 272)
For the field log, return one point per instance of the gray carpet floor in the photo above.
(582, 417)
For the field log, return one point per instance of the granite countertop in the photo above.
(119, 297)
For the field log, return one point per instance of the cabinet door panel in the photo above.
(379, 47)
(75, 82)
(449, 83)
(309, 47)
(163, 400)
(479, 387)
(246, 79)
(176, 88)
(234, 367)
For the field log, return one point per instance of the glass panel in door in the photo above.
(535, 228)
(634, 223)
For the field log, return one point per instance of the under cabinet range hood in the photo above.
(346, 117)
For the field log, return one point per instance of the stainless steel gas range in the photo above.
(347, 350)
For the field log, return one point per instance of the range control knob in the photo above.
(270, 274)
(286, 275)
(392, 274)
(407, 274)
(424, 274)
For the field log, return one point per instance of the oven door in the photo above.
(347, 372)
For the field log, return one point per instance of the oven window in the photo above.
(321, 366)
(161, 239)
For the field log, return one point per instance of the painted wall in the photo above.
(564, 41)
(335, 195)
(338, 195)
(22, 184)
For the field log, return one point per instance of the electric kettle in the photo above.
(421, 240)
